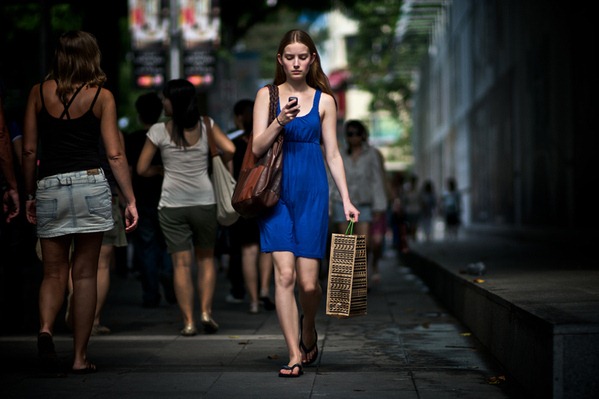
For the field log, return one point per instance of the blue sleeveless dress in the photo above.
(299, 222)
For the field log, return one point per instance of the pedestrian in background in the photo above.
(113, 238)
(428, 209)
(451, 208)
(411, 205)
(68, 113)
(398, 215)
(255, 268)
(10, 194)
(149, 246)
(295, 230)
(366, 184)
(187, 206)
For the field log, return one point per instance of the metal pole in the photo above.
(175, 33)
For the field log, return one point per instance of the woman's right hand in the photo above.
(10, 204)
(289, 112)
(31, 211)
(131, 217)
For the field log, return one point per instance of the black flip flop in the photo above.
(312, 348)
(291, 368)
(89, 368)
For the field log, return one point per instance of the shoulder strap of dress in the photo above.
(95, 97)
(66, 107)
(317, 98)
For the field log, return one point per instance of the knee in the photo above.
(285, 280)
(311, 288)
(85, 272)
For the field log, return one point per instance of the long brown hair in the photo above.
(186, 114)
(316, 77)
(76, 62)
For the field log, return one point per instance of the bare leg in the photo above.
(55, 255)
(206, 286)
(310, 295)
(287, 312)
(266, 270)
(249, 260)
(206, 278)
(105, 259)
(183, 284)
(85, 268)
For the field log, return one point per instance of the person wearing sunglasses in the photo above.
(365, 176)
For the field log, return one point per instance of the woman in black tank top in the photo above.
(67, 114)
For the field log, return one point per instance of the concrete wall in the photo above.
(505, 105)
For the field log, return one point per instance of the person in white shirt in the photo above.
(187, 206)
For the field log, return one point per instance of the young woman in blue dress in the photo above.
(295, 230)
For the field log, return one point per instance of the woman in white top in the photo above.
(366, 184)
(187, 207)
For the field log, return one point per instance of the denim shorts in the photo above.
(74, 202)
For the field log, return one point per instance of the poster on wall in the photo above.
(150, 40)
(199, 23)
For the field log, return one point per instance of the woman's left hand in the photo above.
(351, 212)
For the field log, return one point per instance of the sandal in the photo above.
(88, 369)
(210, 326)
(45, 346)
(313, 350)
(290, 369)
(49, 362)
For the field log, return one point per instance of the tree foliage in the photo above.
(238, 17)
(372, 54)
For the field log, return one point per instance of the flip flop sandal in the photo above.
(290, 369)
(312, 350)
(88, 369)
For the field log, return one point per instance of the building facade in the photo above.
(504, 105)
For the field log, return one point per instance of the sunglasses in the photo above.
(352, 133)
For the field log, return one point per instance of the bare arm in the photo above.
(265, 133)
(6, 159)
(333, 158)
(30, 136)
(115, 152)
(223, 143)
(10, 199)
(144, 163)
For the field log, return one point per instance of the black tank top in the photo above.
(68, 145)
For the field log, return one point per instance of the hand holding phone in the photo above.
(293, 99)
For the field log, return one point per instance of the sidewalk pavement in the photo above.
(407, 346)
(535, 309)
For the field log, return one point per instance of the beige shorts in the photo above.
(116, 236)
(189, 226)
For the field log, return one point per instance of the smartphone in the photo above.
(291, 99)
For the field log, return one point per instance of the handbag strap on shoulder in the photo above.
(209, 135)
(274, 99)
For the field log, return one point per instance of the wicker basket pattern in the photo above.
(347, 283)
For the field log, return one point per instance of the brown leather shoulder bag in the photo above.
(259, 182)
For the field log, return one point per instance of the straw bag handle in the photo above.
(350, 227)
